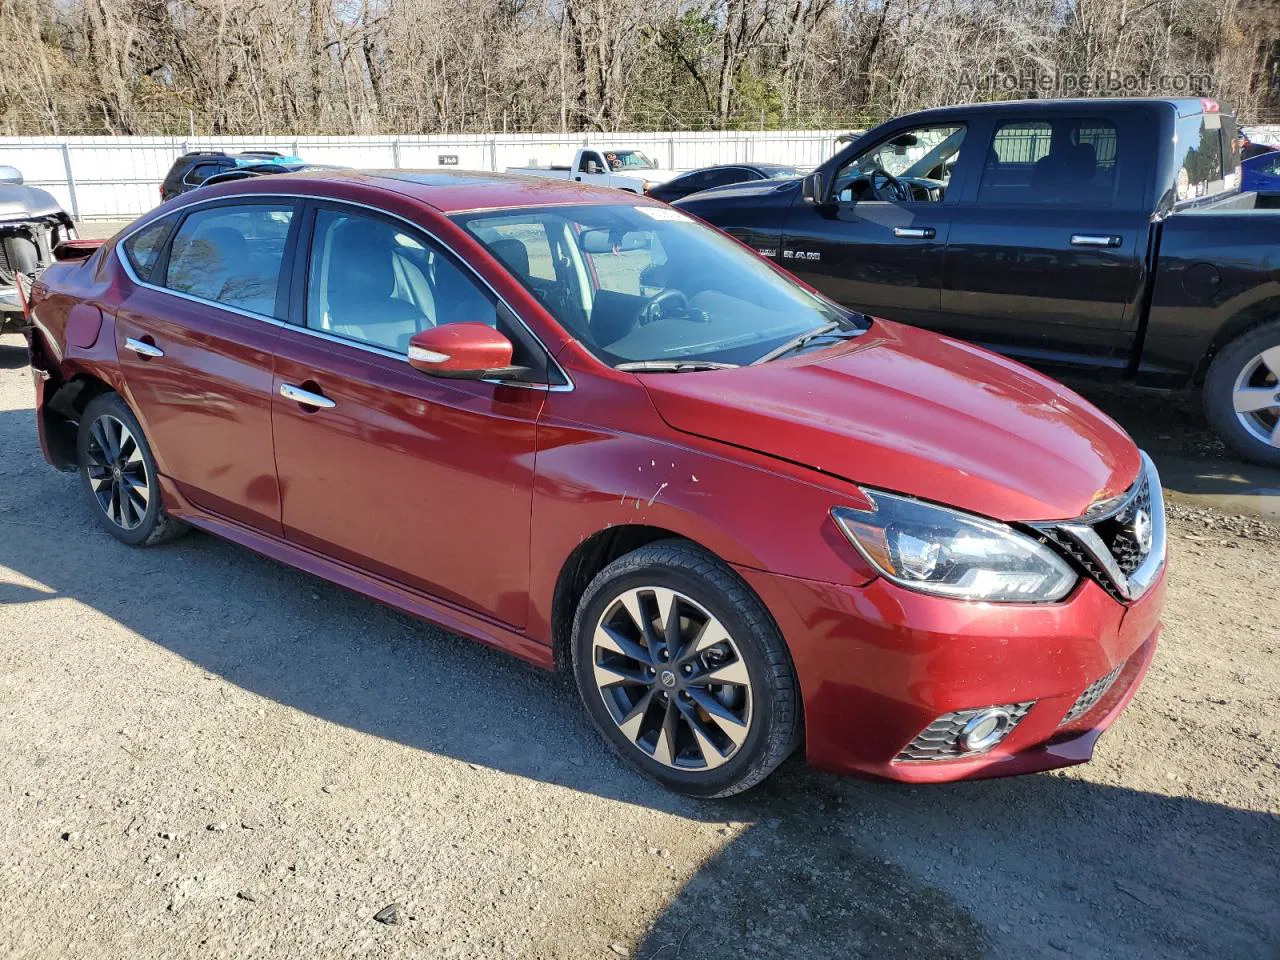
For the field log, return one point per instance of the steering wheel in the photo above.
(649, 312)
(889, 187)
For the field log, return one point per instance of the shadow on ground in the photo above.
(13, 353)
(1041, 865)
(1195, 466)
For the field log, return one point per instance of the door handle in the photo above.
(915, 233)
(306, 397)
(142, 348)
(1094, 240)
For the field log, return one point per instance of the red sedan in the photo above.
(585, 428)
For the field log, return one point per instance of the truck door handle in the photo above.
(1094, 240)
(142, 348)
(915, 233)
(306, 397)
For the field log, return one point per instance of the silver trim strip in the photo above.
(565, 387)
(1082, 532)
(143, 349)
(290, 392)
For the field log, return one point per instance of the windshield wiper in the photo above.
(835, 330)
(672, 366)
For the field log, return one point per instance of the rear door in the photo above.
(195, 338)
(1046, 251)
(876, 247)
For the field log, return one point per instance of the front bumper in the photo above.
(878, 664)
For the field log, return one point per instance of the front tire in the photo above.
(684, 672)
(118, 474)
(1242, 394)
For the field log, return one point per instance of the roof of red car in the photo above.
(457, 190)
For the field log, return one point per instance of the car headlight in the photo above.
(929, 548)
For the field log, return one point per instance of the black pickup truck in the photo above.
(1099, 237)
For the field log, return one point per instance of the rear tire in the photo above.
(684, 672)
(118, 474)
(1242, 394)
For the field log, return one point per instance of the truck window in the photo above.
(1059, 161)
(1206, 155)
(921, 160)
(588, 158)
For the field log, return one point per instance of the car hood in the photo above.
(752, 188)
(905, 410)
(23, 202)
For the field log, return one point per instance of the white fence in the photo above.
(118, 178)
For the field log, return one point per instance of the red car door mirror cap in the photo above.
(466, 351)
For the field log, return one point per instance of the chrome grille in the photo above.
(941, 739)
(1120, 542)
(1092, 694)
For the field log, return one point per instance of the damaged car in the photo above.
(32, 224)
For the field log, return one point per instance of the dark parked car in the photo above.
(580, 426)
(708, 178)
(193, 169)
(1103, 237)
(265, 170)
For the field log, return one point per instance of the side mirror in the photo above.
(463, 351)
(11, 175)
(593, 167)
(813, 188)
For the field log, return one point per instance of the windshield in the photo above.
(648, 283)
(628, 160)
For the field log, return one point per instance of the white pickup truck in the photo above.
(624, 169)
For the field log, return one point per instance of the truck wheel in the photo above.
(1242, 394)
(684, 672)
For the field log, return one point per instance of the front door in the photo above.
(877, 243)
(196, 337)
(423, 481)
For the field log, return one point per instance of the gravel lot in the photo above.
(207, 754)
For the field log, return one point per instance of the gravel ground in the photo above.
(207, 754)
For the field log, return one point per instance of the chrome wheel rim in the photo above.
(672, 679)
(1256, 397)
(117, 472)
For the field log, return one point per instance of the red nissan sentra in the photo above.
(585, 428)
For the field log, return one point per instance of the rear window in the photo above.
(1206, 157)
(1060, 161)
(142, 249)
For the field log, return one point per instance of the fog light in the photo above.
(985, 729)
(965, 733)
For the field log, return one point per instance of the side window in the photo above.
(1060, 161)
(142, 249)
(202, 172)
(719, 178)
(378, 283)
(920, 160)
(231, 254)
(589, 157)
